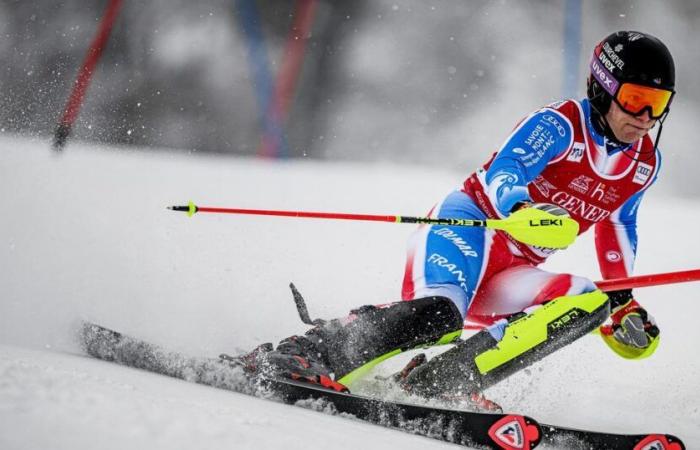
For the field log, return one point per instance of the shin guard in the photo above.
(488, 357)
(371, 334)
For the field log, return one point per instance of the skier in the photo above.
(591, 160)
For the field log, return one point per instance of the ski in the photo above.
(487, 430)
(553, 435)
(484, 430)
(560, 437)
(570, 438)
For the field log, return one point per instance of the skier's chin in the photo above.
(631, 134)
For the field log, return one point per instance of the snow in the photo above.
(85, 234)
(80, 403)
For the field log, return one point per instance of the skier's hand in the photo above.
(633, 332)
(633, 326)
(546, 207)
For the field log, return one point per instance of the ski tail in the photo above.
(110, 345)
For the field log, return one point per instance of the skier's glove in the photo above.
(546, 207)
(632, 333)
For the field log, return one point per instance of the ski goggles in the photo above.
(633, 98)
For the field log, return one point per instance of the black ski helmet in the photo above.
(630, 57)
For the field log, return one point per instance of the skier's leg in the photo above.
(344, 349)
(449, 261)
(445, 265)
(561, 310)
(515, 289)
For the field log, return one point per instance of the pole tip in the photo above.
(190, 208)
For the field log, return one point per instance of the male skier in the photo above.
(591, 160)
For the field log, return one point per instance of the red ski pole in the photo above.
(528, 225)
(525, 230)
(655, 279)
(75, 100)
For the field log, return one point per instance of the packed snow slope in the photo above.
(85, 234)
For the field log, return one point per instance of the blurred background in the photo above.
(367, 106)
(423, 82)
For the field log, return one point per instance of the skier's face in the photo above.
(628, 128)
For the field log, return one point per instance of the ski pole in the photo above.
(654, 279)
(528, 225)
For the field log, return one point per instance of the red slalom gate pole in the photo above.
(75, 100)
(640, 281)
(656, 279)
(285, 85)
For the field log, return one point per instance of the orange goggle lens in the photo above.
(635, 98)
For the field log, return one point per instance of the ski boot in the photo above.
(336, 352)
(296, 358)
(474, 400)
(352, 345)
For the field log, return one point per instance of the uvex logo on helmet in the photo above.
(604, 77)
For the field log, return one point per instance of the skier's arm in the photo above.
(632, 332)
(538, 139)
(616, 240)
